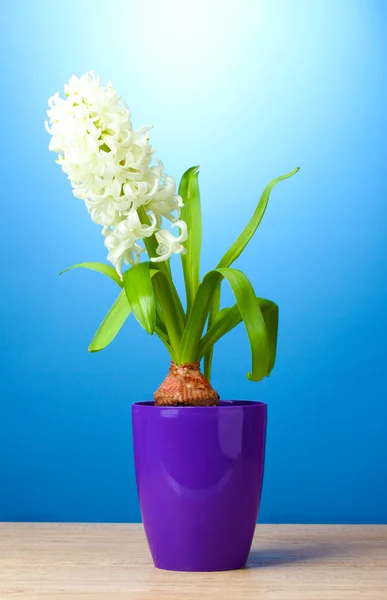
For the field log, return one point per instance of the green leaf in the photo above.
(173, 319)
(241, 242)
(165, 339)
(270, 314)
(191, 214)
(224, 321)
(228, 318)
(250, 312)
(159, 320)
(107, 270)
(235, 251)
(212, 312)
(140, 295)
(111, 324)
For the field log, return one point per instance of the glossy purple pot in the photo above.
(199, 476)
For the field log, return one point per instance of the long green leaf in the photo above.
(241, 242)
(173, 320)
(235, 250)
(225, 321)
(250, 313)
(191, 214)
(111, 324)
(228, 318)
(212, 312)
(270, 313)
(159, 320)
(140, 295)
(107, 270)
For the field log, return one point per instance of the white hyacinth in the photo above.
(109, 167)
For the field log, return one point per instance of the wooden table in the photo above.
(103, 562)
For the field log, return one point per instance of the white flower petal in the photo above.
(109, 167)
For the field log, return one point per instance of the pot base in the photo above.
(205, 570)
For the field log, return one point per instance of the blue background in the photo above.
(247, 90)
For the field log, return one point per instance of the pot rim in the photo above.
(224, 404)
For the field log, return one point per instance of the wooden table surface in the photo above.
(103, 562)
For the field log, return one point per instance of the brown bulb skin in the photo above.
(185, 385)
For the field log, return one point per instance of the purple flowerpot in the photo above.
(199, 476)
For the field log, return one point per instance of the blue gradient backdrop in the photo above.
(247, 90)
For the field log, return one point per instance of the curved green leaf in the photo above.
(228, 318)
(250, 312)
(140, 295)
(107, 270)
(191, 214)
(225, 321)
(235, 251)
(270, 313)
(111, 324)
(241, 242)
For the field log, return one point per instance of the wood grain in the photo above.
(112, 562)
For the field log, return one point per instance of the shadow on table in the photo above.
(283, 556)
